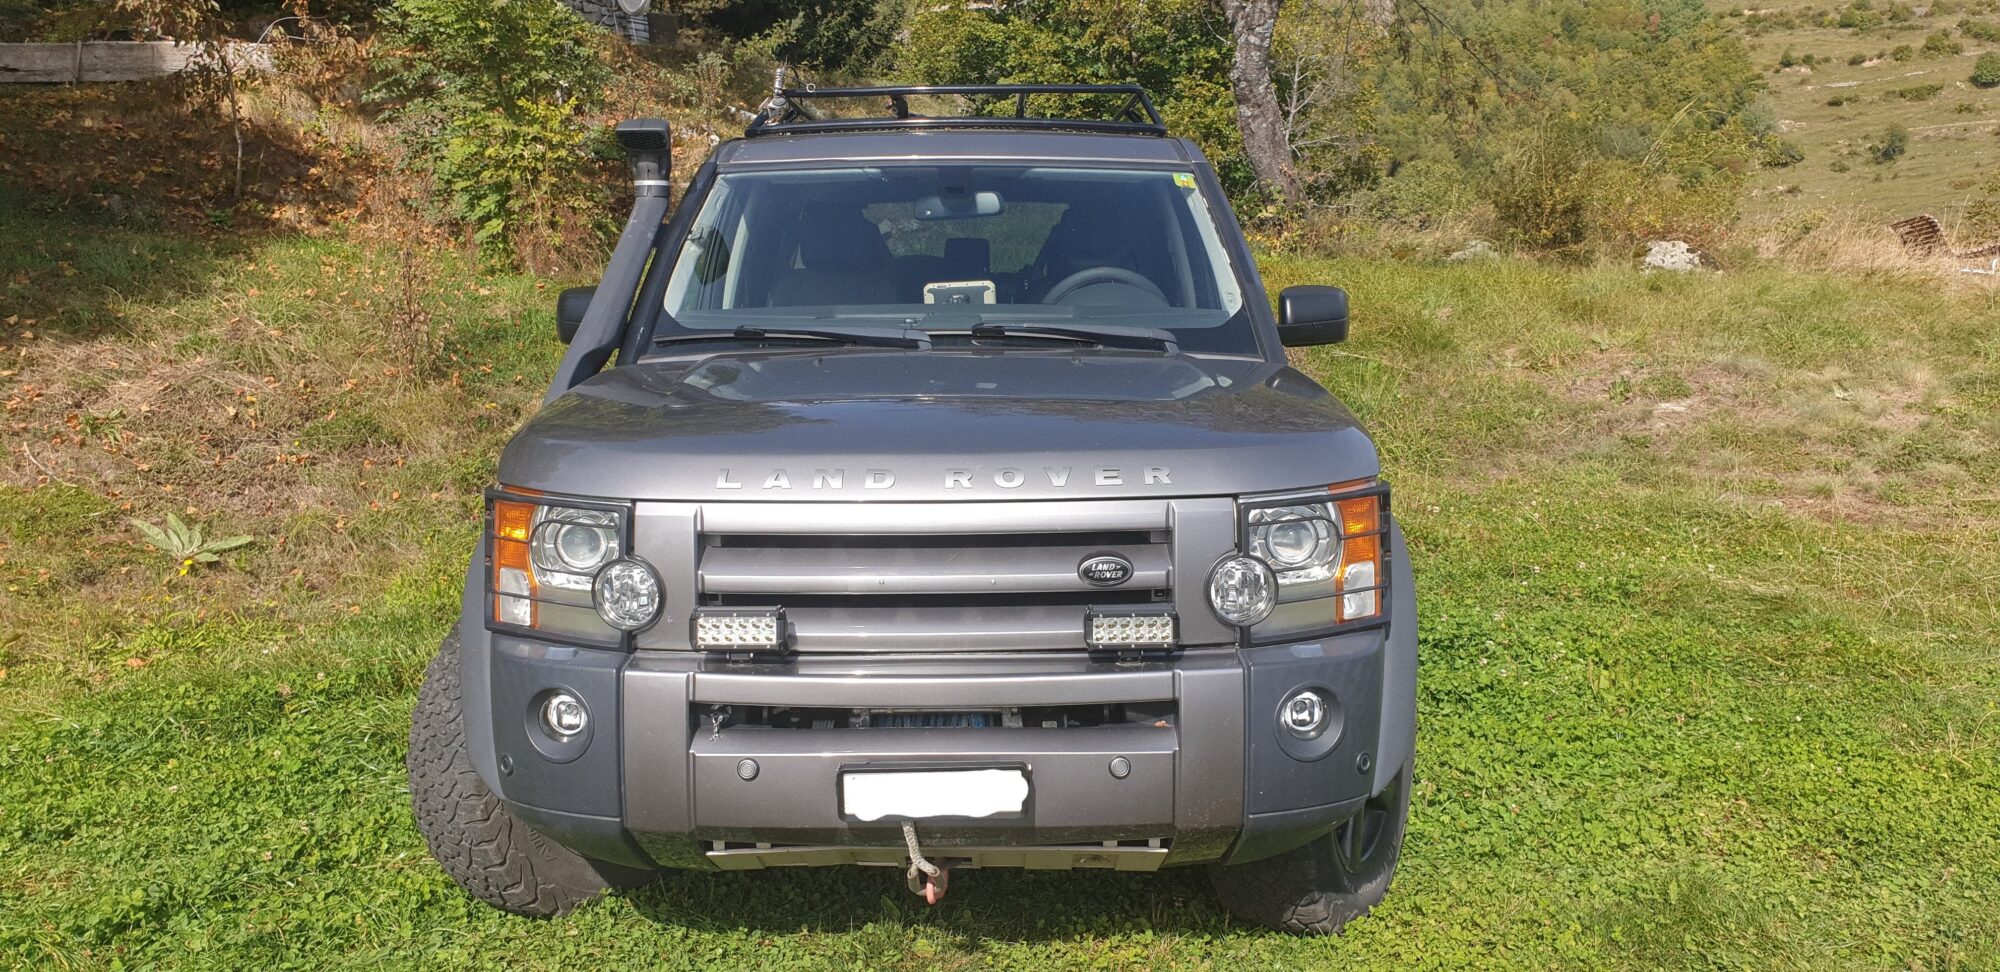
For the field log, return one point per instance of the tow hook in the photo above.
(926, 880)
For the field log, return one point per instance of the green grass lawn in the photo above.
(1709, 664)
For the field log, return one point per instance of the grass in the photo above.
(1835, 109)
(1709, 672)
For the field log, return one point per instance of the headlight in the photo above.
(549, 564)
(1242, 591)
(1294, 539)
(571, 544)
(1325, 555)
(627, 595)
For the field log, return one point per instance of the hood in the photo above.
(938, 425)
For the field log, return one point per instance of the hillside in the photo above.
(1864, 78)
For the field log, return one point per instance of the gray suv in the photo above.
(949, 504)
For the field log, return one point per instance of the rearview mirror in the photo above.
(570, 305)
(959, 204)
(1309, 316)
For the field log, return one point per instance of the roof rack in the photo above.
(791, 111)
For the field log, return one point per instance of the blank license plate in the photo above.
(917, 794)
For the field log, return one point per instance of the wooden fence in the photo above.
(111, 60)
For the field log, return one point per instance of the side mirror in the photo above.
(570, 305)
(1309, 316)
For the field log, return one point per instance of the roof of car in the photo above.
(955, 144)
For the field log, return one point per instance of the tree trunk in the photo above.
(1252, 22)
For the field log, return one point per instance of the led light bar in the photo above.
(739, 629)
(1130, 630)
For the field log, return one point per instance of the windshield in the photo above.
(948, 247)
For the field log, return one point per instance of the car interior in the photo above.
(965, 235)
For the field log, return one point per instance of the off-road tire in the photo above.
(485, 848)
(1318, 888)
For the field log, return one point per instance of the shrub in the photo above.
(1539, 188)
(488, 94)
(1982, 215)
(1980, 30)
(1782, 152)
(1940, 44)
(1891, 145)
(1986, 71)
(1422, 193)
(1903, 52)
(1920, 92)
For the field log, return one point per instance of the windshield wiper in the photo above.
(1140, 338)
(867, 337)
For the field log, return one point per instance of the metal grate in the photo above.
(946, 591)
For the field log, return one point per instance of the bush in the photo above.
(1920, 92)
(1980, 30)
(1423, 194)
(488, 94)
(1891, 145)
(1539, 188)
(1986, 71)
(1940, 44)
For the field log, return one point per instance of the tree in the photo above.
(1252, 23)
(1327, 100)
(212, 75)
(491, 96)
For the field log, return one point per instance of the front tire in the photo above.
(485, 848)
(1318, 888)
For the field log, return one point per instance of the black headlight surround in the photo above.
(622, 514)
(1378, 488)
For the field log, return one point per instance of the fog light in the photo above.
(563, 715)
(1129, 630)
(627, 594)
(745, 629)
(1304, 714)
(1242, 590)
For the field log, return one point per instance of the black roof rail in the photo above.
(791, 112)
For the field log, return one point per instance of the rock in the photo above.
(1671, 255)
(1475, 250)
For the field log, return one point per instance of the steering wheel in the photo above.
(1090, 276)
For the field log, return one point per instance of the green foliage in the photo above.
(1178, 49)
(1539, 189)
(1940, 44)
(1917, 92)
(1327, 96)
(1986, 71)
(844, 38)
(1892, 144)
(1980, 30)
(1981, 220)
(1421, 194)
(185, 544)
(489, 95)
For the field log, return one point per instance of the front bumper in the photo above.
(653, 784)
